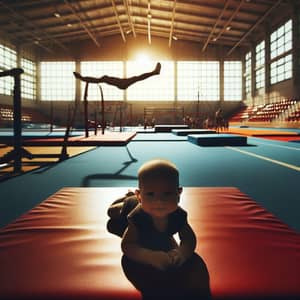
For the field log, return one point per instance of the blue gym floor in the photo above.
(267, 170)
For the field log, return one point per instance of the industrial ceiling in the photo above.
(46, 23)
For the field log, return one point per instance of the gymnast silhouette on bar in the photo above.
(121, 83)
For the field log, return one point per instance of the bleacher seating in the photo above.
(285, 109)
(244, 114)
(293, 113)
(28, 115)
(271, 111)
(294, 116)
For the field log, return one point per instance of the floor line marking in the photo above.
(266, 158)
(281, 146)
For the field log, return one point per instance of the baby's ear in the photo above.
(179, 193)
(138, 194)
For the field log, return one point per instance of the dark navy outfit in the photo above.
(149, 236)
(188, 282)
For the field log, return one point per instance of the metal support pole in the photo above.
(17, 122)
(86, 113)
(103, 125)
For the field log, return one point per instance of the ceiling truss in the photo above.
(52, 23)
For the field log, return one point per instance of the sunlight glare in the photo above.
(143, 59)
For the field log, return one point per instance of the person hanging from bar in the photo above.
(121, 83)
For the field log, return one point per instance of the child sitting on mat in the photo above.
(121, 83)
(148, 219)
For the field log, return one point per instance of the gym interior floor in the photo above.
(267, 169)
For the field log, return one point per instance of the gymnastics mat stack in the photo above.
(221, 139)
(185, 132)
(168, 128)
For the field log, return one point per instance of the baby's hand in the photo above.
(129, 193)
(176, 258)
(161, 260)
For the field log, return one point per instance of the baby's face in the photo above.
(159, 197)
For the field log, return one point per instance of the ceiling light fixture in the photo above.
(57, 15)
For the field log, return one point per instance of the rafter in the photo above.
(149, 17)
(118, 20)
(82, 23)
(127, 8)
(172, 24)
(57, 22)
(34, 35)
(230, 19)
(216, 23)
(254, 26)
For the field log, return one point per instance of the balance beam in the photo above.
(61, 249)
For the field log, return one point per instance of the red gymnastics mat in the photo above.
(291, 138)
(107, 139)
(62, 250)
(261, 132)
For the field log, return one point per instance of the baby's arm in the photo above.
(114, 210)
(186, 247)
(130, 247)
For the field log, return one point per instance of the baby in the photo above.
(151, 216)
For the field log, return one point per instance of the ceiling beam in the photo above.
(25, 23)
(214, 27)
(36, 23)
(172, 24)
(254, 26)
(128, 11)
(230, 19)
(11, 38)
(76, 15)
(191, 36)
(118, 20)
(194, 11)
(149, 17)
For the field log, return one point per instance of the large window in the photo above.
(281, 69)
(232, 80)
(155, 88)
(281, 40)
(260, 65)
(8, 60)
(28, 79)
(195, 80)
(99, 69)
(248, 77)
(281, 58)
(57, 80)
(198, 80)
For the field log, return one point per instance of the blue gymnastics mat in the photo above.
(217, 139)
(168, 128)
(184, 132)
